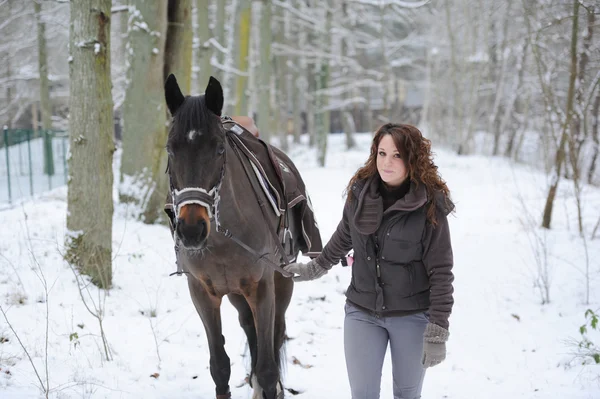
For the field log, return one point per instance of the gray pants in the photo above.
(366, 339)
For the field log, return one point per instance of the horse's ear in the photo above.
(173, 94)
(214, 96)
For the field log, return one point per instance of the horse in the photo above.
(212, 191)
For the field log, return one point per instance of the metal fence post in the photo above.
(64, 155)
(7, 162)
(48, 156)
(28, 135)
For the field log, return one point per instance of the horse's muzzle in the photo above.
(193, 226)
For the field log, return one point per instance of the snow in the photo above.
(503, 342)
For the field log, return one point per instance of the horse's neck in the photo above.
(242, 196)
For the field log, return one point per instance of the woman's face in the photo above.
(390, 166)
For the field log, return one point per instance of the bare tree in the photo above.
(560, 152)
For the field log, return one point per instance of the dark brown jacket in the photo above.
(402, 264)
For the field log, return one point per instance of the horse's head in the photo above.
(196, 148)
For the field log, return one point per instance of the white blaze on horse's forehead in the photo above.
(193, 133)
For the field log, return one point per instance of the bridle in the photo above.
(196, 195)
(210, 199)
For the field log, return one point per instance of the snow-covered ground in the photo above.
(503, 343)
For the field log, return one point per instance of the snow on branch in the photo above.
(295, 11)
(400, 3)
(117, 9)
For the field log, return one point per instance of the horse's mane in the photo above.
(193, 114)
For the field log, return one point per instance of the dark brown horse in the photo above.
(225, 242)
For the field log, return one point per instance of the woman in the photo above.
(395, 220)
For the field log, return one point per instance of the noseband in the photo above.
(195, 195)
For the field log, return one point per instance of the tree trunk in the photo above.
(498, 107)
(386, 79)
(264, 78)
(368, 109)
(241, 85)
(90, 203)
(219, 34)
(560, 152)
(178, 46)
(144, 111)
(513, 106)
(282, 90)
(178, 61)
(584, 57)
(230, 59)
(595, 138)
(322, 124)
(45, 106)
(8, 94)
(347, 117)
(204, 48)
(456, 120)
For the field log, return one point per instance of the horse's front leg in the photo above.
(209, 308)
(262, 303)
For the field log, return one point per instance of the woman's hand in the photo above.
(306, 271)
(434, 345)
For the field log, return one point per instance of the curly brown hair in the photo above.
(415, 150)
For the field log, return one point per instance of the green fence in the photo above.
(31, 162)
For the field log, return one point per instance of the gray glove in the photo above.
(306, 271)
(434, 345)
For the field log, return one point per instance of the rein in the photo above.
(211, 199)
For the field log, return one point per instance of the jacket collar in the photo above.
(369, 210)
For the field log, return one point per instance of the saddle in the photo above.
(283, 186)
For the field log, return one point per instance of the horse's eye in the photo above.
(221, 150)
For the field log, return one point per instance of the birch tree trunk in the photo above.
(90, 204)
(299, 88)
(45, 106)
(578, 127)
(241, 82)
(513, 105)
(144, 109)
(264, 78)
(220, 38)
(595, 138)
(347, 117)
(456, 109)
(281, 73)
(385, 114)
(560, 152)
(204, 48)
(8, 76)
(322, 99)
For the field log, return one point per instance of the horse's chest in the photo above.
(220, 279)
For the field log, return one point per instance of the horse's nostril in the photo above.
(180, 221)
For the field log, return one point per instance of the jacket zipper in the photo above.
(377, 267)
